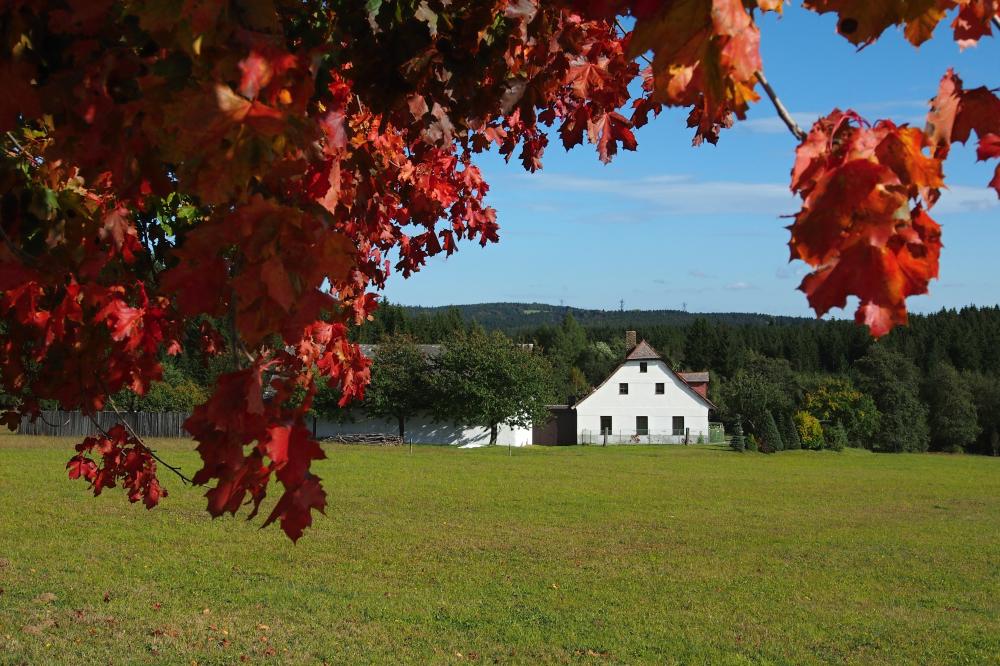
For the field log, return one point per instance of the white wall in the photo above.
(425, 431)
(678, 399)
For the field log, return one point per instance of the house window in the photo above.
(623, 389)
(642, 425)
(605, 425)
(659, 388)
(678, 425)
(642, 366)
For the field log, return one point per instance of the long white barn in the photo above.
(644, 401)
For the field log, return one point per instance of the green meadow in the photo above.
(551, 555)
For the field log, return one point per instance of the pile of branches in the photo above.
(374, 439)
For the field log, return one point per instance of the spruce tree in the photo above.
(790, 434)
(770, 436)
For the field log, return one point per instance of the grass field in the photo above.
(570, 555)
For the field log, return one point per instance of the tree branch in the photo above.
(121, 419)
(793, 126)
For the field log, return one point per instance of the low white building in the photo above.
(423, 430)
(644, 401)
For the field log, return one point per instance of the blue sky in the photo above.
(672, 224)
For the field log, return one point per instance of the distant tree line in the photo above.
(933, 385)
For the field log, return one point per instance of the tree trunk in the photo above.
(402, 428)
(493, 434)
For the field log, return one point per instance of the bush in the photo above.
(737, 441)
(752, 444)
(809, 429)
(836, 437)
(835, 400)
(770, 437)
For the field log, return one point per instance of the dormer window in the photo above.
(623, 389)
(642, 366)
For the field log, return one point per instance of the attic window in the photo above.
(623, 389)
(642, 366)
(659, 388)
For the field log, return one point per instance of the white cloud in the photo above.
(965, 199)
(680, 195)
(740, 286)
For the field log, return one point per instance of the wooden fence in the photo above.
(75, 424)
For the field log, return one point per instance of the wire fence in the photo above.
(688, 436)
(57, 423)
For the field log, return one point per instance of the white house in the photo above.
(644, 401)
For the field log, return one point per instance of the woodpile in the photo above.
(375, 439)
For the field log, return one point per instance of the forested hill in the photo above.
(516, 317)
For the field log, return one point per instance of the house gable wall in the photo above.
(678, 399)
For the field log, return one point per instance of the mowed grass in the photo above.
(570, 555)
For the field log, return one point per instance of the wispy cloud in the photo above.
(775, 125)
(900, 111)
(965, 199)
(700, 274)
(683, 195)
(740, 286)
(679, 195)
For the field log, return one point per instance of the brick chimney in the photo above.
(630, 341)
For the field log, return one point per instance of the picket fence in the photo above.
(54, 423)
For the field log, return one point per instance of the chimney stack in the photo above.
(630, 341)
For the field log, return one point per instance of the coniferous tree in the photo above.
(770, 436)
(953, 422)
(789, 433)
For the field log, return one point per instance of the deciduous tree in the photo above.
(487, 380)
(401, 382)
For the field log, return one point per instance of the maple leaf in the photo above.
(856, 226)
(706, 56)
(606, 131)
(294, 508)
(863, 21)
(956, 113)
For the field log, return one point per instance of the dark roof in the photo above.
(695, 377)
(643, 352)
(430, 351)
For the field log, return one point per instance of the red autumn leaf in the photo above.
(956, 113)
(295, 507)
(863, 21)
(856, 227)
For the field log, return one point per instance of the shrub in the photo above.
(834, 399)
(836, 437)
(752, 444)
(737, 441)
(809, 429)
